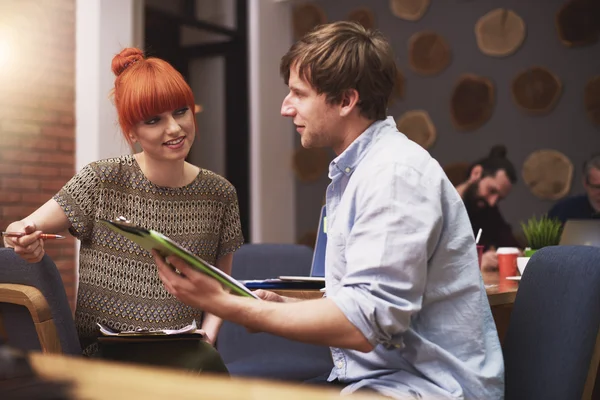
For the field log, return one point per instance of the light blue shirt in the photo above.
(401, 264)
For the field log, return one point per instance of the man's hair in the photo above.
(341, 56)
(495, 161)
(592, 162)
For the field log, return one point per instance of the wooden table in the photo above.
(501, 295)
(96, 379)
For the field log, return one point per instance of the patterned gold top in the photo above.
(118, 281)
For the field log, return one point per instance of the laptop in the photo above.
(584, 232)
(316, 279)
(317, 269)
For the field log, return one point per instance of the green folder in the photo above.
(150, 239)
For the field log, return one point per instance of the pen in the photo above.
(45, 236)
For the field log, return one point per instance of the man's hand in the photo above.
(191, 287)
(30, 247)
(271, 296)
(489, 260)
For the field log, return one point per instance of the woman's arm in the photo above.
(49, 218)
(211, 323)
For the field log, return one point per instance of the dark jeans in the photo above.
(193, 355)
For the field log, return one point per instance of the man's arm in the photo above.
(312, 321)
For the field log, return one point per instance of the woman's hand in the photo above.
(30, 247)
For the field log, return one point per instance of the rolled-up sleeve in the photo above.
(397, 223)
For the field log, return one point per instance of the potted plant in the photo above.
(541, 232)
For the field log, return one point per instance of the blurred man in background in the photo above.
(488, 182)
(585, 206)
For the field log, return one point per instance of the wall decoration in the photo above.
(428, 52)
(418, 127)
(308, 239)
(536, 90)
(548, 174)
(592, 99)
(363, 16)
(310, 164)
(410, 10)
(500, 32)
(457, 172)
(305, 17)
(578, 22)
(472, 102)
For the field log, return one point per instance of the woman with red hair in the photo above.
(157, 189)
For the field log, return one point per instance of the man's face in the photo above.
(592, 187)
(487, 191)
(315, 120)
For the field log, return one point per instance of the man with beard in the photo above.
(585, 206)
(489, 180)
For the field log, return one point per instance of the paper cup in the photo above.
(507, 261)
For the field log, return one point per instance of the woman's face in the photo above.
(166, 136)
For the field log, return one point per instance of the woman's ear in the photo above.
(350, 99)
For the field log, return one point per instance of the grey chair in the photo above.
(34, 310)
(552, 346)
(261, 354)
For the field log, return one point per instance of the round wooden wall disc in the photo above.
(592, 99)
(305, 17)
(578, 22)
(418, 127)
(308, 239)
(472, 102)
(548, 174)
(500, 32)
(536, 90)
(410, 10)
(428, 53)
(310, 164)
(363, 16)
(457, 172)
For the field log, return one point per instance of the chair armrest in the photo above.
(27, 296)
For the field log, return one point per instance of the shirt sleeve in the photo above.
(397, 225)
(79, 201)
(231, 237)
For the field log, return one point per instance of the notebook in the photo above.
(150, 239)
(581, 232)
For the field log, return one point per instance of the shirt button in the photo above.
(347, 170)
(340, 364)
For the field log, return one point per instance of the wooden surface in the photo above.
(498, 292)
(95, 379)
(36, 304)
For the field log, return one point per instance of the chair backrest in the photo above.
(34, 306)
(254, 354)
(551, 348)
(264, 260)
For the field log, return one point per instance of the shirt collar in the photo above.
(346, 162)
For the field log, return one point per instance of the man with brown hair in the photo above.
(405, 312)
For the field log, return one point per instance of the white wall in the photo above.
(271, 136)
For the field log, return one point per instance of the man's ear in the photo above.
(476, 173)
(349, 101)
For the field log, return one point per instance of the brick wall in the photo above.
(37, 109)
